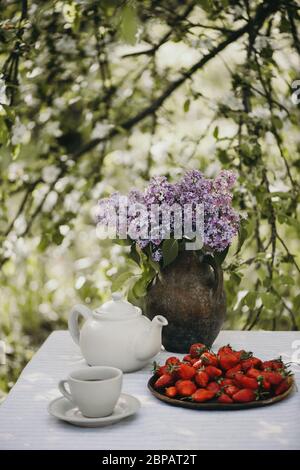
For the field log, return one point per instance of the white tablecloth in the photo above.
(26, 424)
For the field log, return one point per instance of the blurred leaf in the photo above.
(287, 280)
(236, 277)
(223, 156)
(4, 134)
(134, 255)
(170, 251)
(139, 289)
(277, 122)
(129, 24)
(119, 281)
(57, 237)
(268, 300)
(242, 234)
(186, 105)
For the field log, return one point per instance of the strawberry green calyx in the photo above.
(246, 355)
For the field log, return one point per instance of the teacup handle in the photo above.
(63, 390)
(73, 320)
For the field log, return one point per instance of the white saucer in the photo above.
(63, 409)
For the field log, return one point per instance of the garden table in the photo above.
(26, 424)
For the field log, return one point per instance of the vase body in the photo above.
(190, 294)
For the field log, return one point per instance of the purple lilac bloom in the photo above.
(226, 179)
(106, 206)
(220, 227)
(159, 191)
(157, 254)
(221, 220)
(193, 188)
(136, 196)
(143, 243)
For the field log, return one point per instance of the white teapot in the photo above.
(117, 334)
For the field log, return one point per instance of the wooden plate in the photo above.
(214, 405)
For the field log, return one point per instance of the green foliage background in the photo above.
(100, 96)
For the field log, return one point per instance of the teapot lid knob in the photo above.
(118, 308)
(117, 296)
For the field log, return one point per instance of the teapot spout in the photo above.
(149, 344)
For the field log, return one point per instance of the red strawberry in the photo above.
(213, 372)
(227, 360)
(225, 349)
(283, 386)
(213, 387)
(242, 354)
(244, 396)
(185, 388)
(226, 382)
(198, 364)
(197, 349)
(168, 368)
(185, 371)
(246, 382)
(187, 358)
(254, 373)
(274, 364)
(171, 392)
(161, 370)
(274, 378)
(230, 373)
(163, 381)
(223, 398)
(172, 361)
(194, 360)
(209, 359)
(231, 390)
(261, 378)
(202, 395)
(251, 362)
(263, 383)
(202, 378)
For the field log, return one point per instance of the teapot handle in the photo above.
(73, 320)
(218, 284)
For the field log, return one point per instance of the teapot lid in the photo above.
(118, 309)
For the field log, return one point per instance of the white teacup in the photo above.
(95, 390)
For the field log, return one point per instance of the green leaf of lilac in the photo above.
(221, 255)
(170, 251)
(134, 255)
(120, 280)
(242, 235)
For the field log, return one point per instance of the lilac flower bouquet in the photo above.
(221, 221)
(157, 248)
